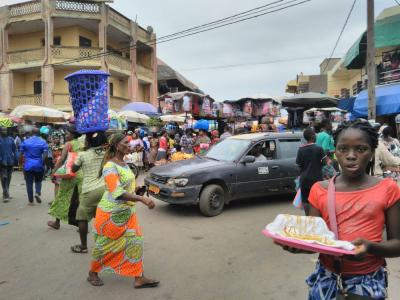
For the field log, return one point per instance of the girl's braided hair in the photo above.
(111, 151)
(364, 126)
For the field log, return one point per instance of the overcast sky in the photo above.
(308, 30)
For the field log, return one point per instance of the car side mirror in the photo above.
(248, 159)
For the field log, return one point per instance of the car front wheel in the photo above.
(212, 200)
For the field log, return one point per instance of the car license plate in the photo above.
(154, 189)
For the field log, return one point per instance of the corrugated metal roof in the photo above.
(165, 72)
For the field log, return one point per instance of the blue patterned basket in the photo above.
(89, 96)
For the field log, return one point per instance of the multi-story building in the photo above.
(42, 41)
(312, 83)
(349, 77)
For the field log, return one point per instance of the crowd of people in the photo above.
(92, 180)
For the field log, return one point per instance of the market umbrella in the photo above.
(174, 118)
(331, 109)
(133, 116)
(309, 100)
(40, 114)
(140, 107)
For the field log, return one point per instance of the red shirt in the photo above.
(360, 214)
(163, 143)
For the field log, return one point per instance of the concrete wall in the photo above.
(25, 41)
(120, 86)
(23, 82)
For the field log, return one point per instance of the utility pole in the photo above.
(371, 61)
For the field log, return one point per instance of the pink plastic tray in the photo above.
(307, 246)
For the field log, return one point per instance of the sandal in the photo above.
(53, 225)
(150, 284)
(95, 282)
(79, 249)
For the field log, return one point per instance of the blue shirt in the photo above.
(33, 149)
(8, 151)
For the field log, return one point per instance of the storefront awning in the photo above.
(387, 101)
(347, 104)
(387, 34)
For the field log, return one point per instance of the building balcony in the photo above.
(76, 56)
(118, 102)
(25, 58)
(144, 73)
(119, 64)
(26, 99)
(119, 21)
(77, 9)
(24, 11)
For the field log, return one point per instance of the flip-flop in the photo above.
(50, 224)
(147, 285)
(79, 249)
(95, 282)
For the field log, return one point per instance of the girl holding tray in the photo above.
(365, 206)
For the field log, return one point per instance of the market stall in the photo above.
(314, 116)
(253, 111)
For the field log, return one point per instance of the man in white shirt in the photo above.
(256, 152)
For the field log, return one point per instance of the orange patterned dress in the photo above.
(118, 239)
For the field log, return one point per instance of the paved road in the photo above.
(225, 257)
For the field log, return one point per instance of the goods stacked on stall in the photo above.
(251, 111)
(314, 116)
(198, 105)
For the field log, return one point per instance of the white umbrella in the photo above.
(174, 118)
(39, 113)
(133, 116)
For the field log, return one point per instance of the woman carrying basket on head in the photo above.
(118, 237)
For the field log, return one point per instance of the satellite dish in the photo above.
(150, 29)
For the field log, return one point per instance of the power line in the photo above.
(398, 3)
(340, 35)
(172, 37)
(252, 64)
(160, 41)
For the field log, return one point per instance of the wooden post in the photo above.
(371, 61)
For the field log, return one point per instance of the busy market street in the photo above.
(200, 150)
(194, 257)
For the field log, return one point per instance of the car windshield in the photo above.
(228, 150)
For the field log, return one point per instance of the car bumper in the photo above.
(174, 195)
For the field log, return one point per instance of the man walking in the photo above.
(34, 150)
(8, 158)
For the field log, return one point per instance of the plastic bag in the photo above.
(65, 171)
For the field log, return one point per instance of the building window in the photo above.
(43, 42)
(84, 42)
(57, 41)
(111, 89)
(37, 87)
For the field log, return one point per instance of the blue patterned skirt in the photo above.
(323, 284)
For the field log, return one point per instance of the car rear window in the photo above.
(289, 147)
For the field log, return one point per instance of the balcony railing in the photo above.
(118, 102)
(119, 62)
(25, 8)
(26, 99)
(81, 54)
(25, 56)
(119, 20)
(145, 72)
(78, 6)
(387, 77)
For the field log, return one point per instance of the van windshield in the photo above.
(228, 150)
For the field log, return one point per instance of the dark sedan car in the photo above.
(243, 166)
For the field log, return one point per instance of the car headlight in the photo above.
(178, 181)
